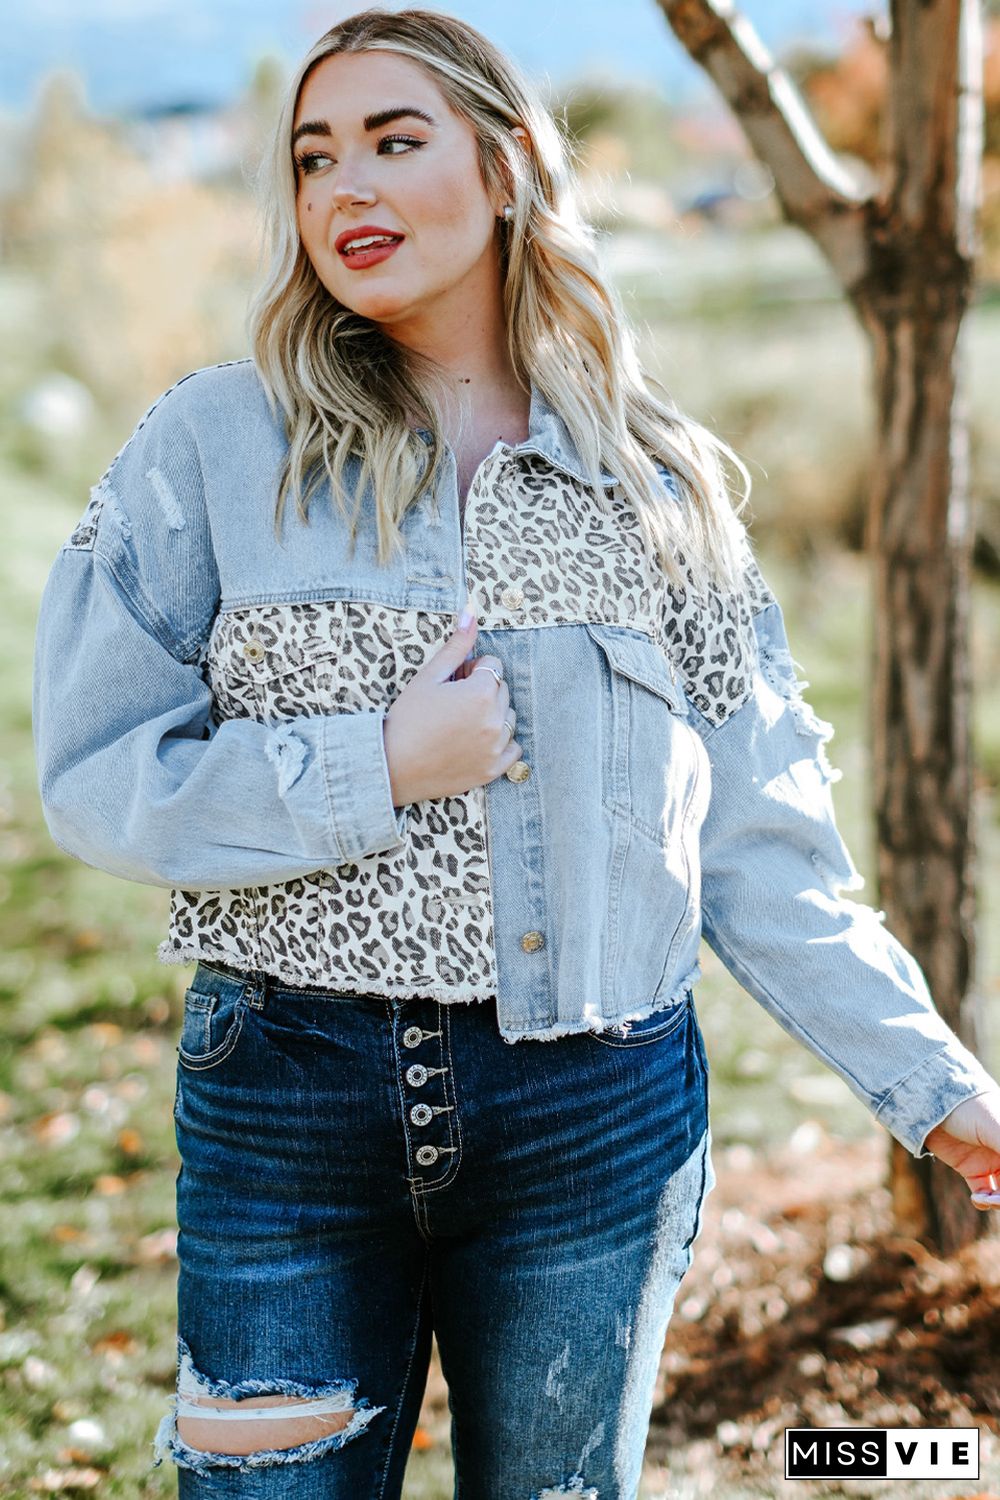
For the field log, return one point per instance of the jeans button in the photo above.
(416, 1075)
(412, 1036)
(427, 1155)
(421, 1114)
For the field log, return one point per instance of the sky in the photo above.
(139, 54)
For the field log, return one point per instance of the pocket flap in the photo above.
(638, 657)
(258, 650)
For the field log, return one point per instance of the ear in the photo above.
(522, 135)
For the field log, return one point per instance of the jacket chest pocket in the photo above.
(655, 785)
(652, 759)
(273, 667)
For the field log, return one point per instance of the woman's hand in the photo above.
(969, 1140)
(452, 726)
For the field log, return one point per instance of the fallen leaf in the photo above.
(56, 1128)
(55, 1481)
(108, 1033)
(119, 1342)
(85, 940)
(64, 1234)
(108, 1183)
(161, 1245)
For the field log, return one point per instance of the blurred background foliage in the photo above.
(128, 248)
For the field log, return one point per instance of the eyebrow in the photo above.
(370, 122)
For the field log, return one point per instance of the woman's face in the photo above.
(412, 176)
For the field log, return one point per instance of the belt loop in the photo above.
(256, 989)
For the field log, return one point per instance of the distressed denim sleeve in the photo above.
(774, 867)
(135, 776)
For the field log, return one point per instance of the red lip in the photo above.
(363, 229)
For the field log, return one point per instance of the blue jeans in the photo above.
(358, 1173)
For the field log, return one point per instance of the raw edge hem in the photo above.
(168, 954)
(605, 1023)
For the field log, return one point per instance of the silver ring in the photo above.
(488, 668)
(510, 728)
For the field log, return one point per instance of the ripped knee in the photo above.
(255, 1422)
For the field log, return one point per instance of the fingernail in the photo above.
(467, 615)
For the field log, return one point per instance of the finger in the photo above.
(984, 1198)
(480, 663)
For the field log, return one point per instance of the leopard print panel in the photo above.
(573, 562)
(414, 922)
(419, 921)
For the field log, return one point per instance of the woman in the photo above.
(275, 718)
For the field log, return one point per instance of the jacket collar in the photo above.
(549, 436)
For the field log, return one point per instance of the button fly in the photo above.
(421, 1114)
(417, 1075)
(412, 1036)
(427, 1155)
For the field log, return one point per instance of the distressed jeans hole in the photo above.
(252, 1423)
(266, 1430)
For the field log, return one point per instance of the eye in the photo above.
(306, 162)
(407, 140)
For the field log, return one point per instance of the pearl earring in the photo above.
(508, 213)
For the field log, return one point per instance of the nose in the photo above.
(350, 190)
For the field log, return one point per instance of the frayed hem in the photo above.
(168, 953)
(600, 1024)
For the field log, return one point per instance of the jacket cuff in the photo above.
(358, 790)
(928, 1094)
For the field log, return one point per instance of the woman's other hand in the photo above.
(969, 1140)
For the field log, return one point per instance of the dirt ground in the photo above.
(803, 1308)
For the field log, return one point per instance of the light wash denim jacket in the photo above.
(208, 716)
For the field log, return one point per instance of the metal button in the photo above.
(421, 1114)
(519, 771)
(254, 651)
(417, 1075)
(531, 941)
(427, 1155)
(412, 1036)
(513, 598)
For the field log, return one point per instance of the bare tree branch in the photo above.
(817, 192)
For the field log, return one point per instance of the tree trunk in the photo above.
(903, 249)
(919, 535)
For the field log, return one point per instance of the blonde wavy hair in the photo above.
(345, 387)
